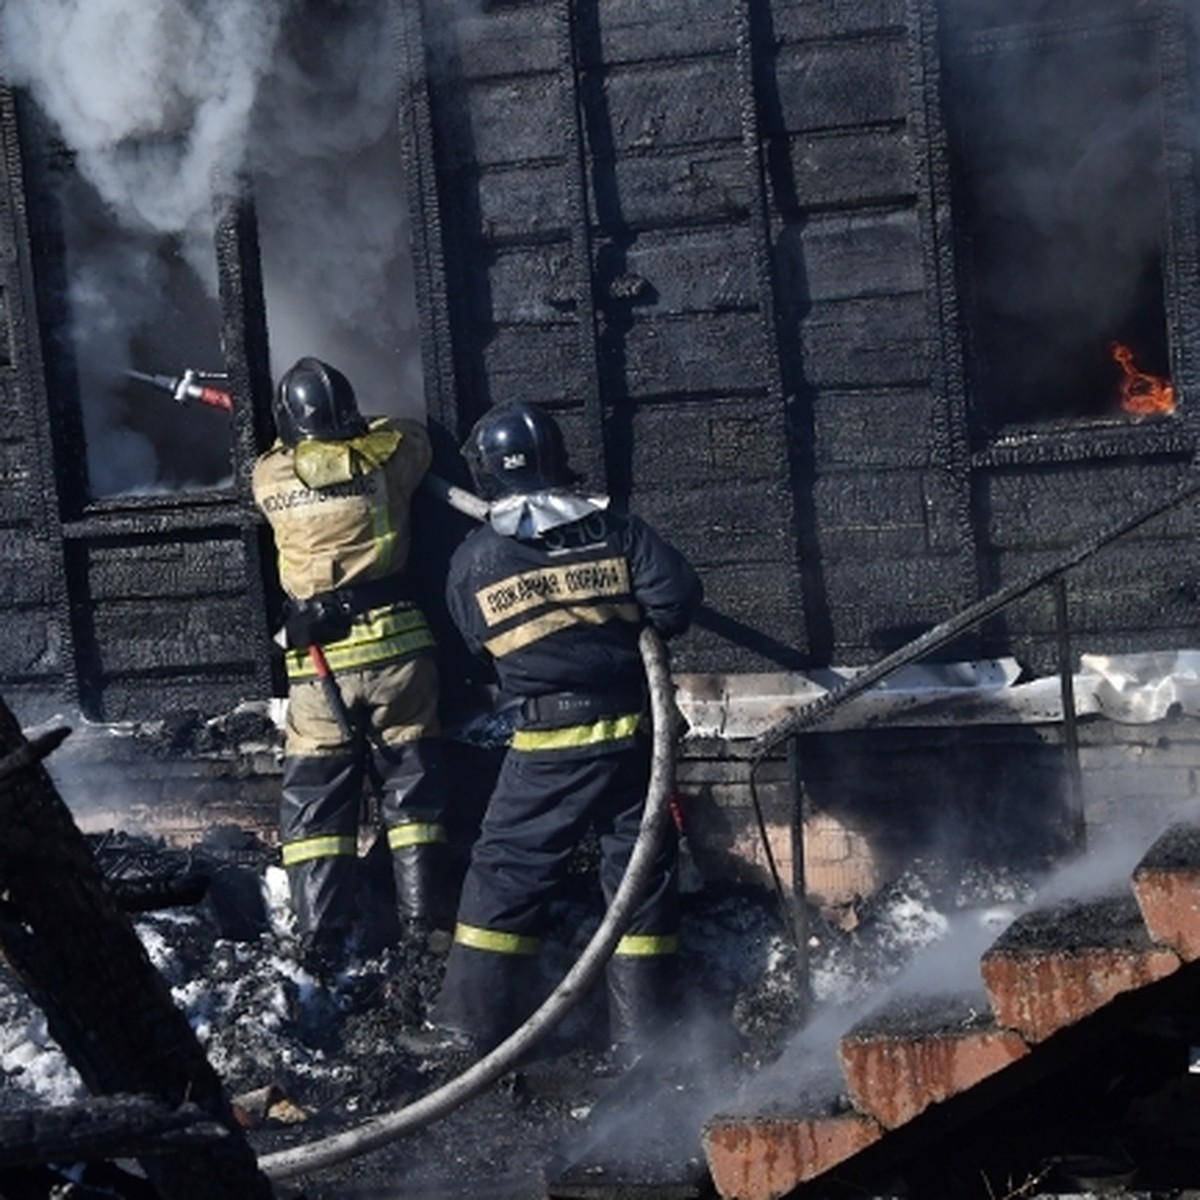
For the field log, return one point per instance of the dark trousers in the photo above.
(393, 709)
(542, 805)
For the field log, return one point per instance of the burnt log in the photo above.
(67, 940)
(105, 1127)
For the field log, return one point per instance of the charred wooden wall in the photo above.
(721, 238)
(138, 607)
(36, 654)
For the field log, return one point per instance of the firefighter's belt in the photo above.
(559, 709)
(577, 737)
(353, 599)
(378, 636)
(371, 593)
(327, 616)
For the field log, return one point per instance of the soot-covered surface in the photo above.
(305, 1062)
(1111, 922)
(308, 1061)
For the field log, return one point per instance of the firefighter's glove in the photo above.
(317, 622)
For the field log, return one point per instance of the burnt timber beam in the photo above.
(68, 942)
(103, 1128)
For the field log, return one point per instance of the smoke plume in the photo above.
(1057, 124)
(154, 99)
(326, 164)
(162, 107)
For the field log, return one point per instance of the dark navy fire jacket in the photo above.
(562, 611)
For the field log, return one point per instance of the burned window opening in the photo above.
(112, 300)
(1060, 209)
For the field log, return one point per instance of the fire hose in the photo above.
(380, 1131)
(372, 1134)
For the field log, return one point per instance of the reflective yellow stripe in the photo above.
(495, 941)
(581, 581)
(644, 945)
(611, 729)
(415, 833)
(377, 636)
(308, 849)
(384, 536)
(556, 619)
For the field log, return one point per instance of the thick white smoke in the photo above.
(326, 163)
(166, 104)
(152, 96)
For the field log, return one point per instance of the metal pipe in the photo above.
(809, 714)
(799, 905)
(1066, 675)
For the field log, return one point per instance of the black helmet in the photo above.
(516, 447)
(315, 400)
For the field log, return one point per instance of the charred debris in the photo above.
(879, 309)
(1088, 1092)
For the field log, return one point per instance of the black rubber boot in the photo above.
(318, 824)
(486, 995)
(640, 1010)
(425, 898)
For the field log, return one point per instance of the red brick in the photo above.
(895, 1074)
(1039, 994)
(1058, 964)
(1170, 904)
(1167, 886)
(760, 1158)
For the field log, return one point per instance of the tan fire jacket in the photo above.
(339, 512)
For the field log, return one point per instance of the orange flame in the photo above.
(1142, 395)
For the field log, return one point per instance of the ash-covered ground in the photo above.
(303, 1061)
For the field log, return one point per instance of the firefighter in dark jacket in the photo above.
(554, 589)
(362, 677)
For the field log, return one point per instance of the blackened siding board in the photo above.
(36, 651)
(1141, 595)
(597, 199)
(887, 554)
(688, 314)
(718, 238)
(168, 612)
(141, 606)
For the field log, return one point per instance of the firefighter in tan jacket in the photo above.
(362, 677)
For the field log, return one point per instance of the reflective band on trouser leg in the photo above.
(647, 945)
(495, 940)
(321, 846)
(416, 833)
(570, 737)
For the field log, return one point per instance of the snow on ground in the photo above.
(266, 1022)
